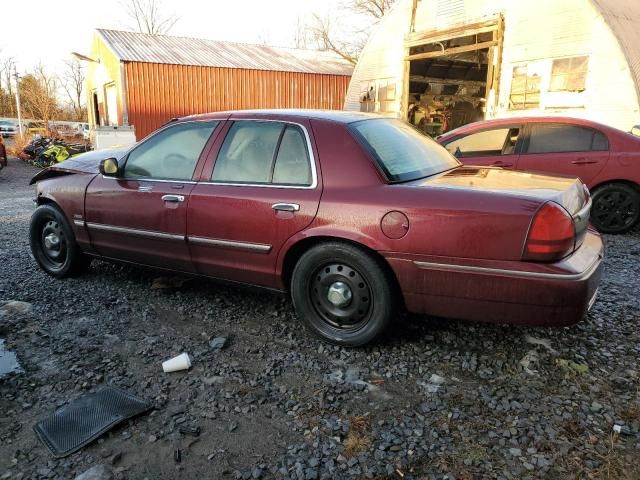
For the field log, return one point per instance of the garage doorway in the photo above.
(452, 76)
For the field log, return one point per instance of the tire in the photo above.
(53, 244)
(616, 208)
(342, 294)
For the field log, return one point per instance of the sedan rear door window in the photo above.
(247, 153)
(559, 138)
(292, 166)
(264, 153)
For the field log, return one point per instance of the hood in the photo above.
(88, 162)
(566, 191)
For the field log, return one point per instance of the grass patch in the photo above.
(359, 436)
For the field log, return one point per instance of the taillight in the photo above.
(552, 234)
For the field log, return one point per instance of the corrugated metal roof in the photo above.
(623, 16)
(165, 49)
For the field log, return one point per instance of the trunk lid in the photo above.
(566, 191)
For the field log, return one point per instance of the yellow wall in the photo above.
(100, 74)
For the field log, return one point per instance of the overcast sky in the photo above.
(47, 31)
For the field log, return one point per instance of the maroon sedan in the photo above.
(605, 159)
(354, 215)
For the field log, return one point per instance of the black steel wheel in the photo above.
(616, 208)
(53, 244)
(342, 294)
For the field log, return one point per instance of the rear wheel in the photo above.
(616, 208)
(53, 244)
(342, 294)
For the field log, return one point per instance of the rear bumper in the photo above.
(522, 293)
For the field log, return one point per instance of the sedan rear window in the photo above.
(559, 138)
(402, 152)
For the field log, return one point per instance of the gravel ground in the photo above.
(434, 399)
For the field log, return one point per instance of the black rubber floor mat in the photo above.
(80, 422)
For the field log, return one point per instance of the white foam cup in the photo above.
(181, 362)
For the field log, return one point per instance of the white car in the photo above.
(8, 128)
(83, 129)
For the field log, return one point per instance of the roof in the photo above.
(338, 116)
(165, 49)
(623, 16)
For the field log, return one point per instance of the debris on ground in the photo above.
(529, 360)
(177, 363)
(8, 361)
(85, 419)
(544, 342)
(97, 472)
(218, 343)
(571, 367)
(167, 283)
(16, 307)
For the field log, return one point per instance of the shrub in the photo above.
(19, 142)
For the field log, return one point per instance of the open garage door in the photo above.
(452, 76)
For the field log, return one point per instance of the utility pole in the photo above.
(15, 75)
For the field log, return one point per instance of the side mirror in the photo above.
(458, 153)
(109, 167)
(636, 130)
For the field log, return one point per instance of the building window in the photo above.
(525, 89)
(569, 74)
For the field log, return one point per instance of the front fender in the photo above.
(68, 193)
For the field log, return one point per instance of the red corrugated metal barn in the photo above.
(145, 80)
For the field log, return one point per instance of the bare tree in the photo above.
(73, 84)
(7, 67)
(323, 34)
(149, 17)
(372, 8)
(348, 41)
(38, 95)
(301, 35)
(7, 102)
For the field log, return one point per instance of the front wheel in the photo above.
(616, 208)
(342, 294)
(53, 244)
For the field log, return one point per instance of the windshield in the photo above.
(403, 152)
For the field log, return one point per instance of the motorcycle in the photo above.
(46, 151)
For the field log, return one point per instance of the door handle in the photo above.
(286, 207)
(173, 198)
(583, 161)
(500, 163)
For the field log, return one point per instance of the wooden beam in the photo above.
(452, 51)
(414, 8)
(431, 36)
(446, 81)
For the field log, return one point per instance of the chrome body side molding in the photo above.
(215, 242)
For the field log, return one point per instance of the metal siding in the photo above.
(623, 17)
(157, 93)
(164, 49)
